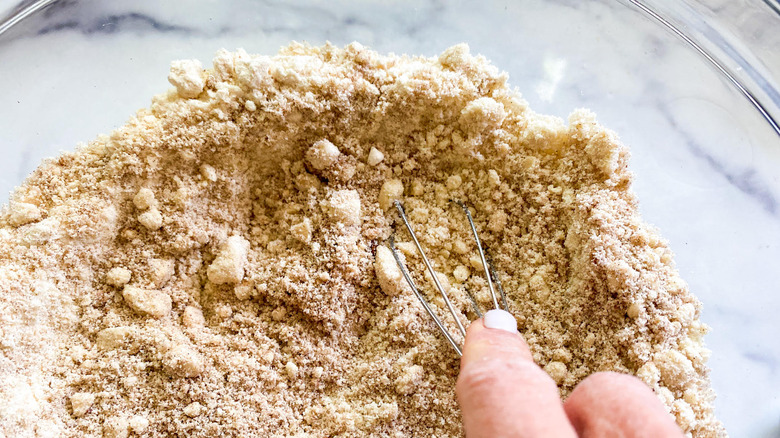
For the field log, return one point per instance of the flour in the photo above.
(216, 267)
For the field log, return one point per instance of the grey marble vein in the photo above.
(117, 23)
(747, 181)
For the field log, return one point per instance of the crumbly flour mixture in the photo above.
(216, 267)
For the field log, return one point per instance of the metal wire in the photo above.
(455, 314)
(26, 10)
(474, 303)
(422, 299)
(498, 284)
(481, 253)
(490, 273)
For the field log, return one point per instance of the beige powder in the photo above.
(215, 267)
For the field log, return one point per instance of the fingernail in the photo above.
(501, 320)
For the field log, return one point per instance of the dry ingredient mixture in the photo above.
(216, 267)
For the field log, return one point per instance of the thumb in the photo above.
(501, 391)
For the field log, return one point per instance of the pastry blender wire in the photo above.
(490, 273)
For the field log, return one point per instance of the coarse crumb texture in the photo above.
(216, 266)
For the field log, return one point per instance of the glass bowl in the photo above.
(691, 87)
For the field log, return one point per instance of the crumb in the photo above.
(113, 337)
(193, 317)
(144, 199)
(80, 403)
(183, 361)
(482, 114)
(228, 267)
(292, 369)
(344, 206)
(409, 380)
(556, 370)
(391, 191)
(160, 271)
(322, 154)
(116, 427)
(243, 291)
(208, 172)
(138, 424)
(187, 76)
(387, 272)
(302, 230)
(461, 273)
(193, 409)
(278, 313)
(375, 156)
(118, 276)
(23, 213)
(151, 219)
(147, 301)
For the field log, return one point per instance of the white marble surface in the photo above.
(707, 166)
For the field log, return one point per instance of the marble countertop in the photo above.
(707, 164)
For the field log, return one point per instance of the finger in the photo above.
(613, 404)
(502, 392)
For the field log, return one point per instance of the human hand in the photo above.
(503, 393)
